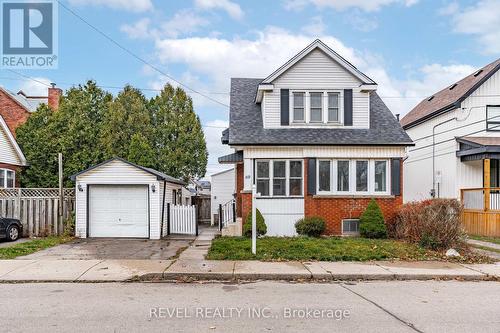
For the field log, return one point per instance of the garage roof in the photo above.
(159, 175)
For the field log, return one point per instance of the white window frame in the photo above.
(355, 174)
(349, 233)
(287, 179)
(5, 171)
(322, 111)
(352, 177)
(339, 107)
(324, 108)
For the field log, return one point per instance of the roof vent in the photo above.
(453, 86)
(430, 98)
(478, 72)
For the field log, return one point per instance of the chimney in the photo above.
(54, 95)
(397, 116)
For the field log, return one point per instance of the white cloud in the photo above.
(232, 9)
(481, 20)
(450, 9)
(138, 30)
(128, 5)
(369, 6)
(362, 22)
(32, 88)
(316, 27)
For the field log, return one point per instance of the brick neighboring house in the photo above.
(316, 140)
(15, 110)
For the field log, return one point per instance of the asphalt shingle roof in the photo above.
(245, 124)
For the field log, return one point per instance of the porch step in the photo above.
(233, 229)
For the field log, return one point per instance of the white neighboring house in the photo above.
(11, 157)
(223, 190)
(464, 137)
(117, 198)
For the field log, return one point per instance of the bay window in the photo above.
(299, 107)
(7, 178)
(279, 178)
(353, 177)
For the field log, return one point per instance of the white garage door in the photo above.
(118, 211)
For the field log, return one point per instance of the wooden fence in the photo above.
(181, 220)
(38, 209)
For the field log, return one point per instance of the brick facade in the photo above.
(14, 114)
(239, 188)
(332, 209)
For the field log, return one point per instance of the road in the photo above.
(430, 306)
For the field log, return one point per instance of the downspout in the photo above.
(163, 207)
(433, 191)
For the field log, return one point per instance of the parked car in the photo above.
(11, 229)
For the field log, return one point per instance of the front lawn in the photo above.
(321, 249)
(495, 240)
(32, 246)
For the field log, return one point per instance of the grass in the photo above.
(22, 249)
(495, 240)
(322, 249)
(486, 248)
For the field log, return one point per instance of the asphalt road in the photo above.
(254, 307)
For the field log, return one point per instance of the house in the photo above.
(457, 148)
(316, 140)
(201, 187)
(15, 109)
(117, 198)
(223, 190)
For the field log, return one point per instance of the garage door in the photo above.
(118, 211)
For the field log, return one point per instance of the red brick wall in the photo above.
(14, 168)
(53, 100)
(239, 188)
(334, 210)
(13, 114)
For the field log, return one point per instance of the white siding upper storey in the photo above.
(319, 82)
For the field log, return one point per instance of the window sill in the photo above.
(279, 197)
(353, 196)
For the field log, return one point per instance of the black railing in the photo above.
(227, 213)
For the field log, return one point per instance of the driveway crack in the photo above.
(406, 323)
(88, 269)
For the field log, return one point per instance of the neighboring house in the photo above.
(201, 187)
(223, 190)
(317, 140)
(457, 151)
(15, 109)
(464, 138)
(117, 198)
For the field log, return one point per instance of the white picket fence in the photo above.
(38, 209)
(181, 220)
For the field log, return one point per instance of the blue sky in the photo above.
(411, 48)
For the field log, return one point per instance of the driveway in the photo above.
(112, 248)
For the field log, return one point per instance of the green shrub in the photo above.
(434, 224)
(261, 225)
(371, 223)
(310, 226)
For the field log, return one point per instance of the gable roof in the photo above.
(246, 125)
(12, 141)
(318, 44)
(450, 97)
(29, 103)
(159, 175)
(222, 172)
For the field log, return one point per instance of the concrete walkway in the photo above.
(483, 243)
(192, 269)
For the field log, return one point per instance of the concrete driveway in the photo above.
(113, 248)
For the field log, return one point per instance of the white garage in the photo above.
(120, 199)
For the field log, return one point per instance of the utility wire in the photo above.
(136, 56)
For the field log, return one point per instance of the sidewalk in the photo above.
(193, 269)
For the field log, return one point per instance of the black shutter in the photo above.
(311, 176)
(285, 107)
(395, 176)
(348, 107)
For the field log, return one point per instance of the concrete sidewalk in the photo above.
(193, 269)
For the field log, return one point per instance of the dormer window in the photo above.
(333, 107)
(316, 107)
(299, 107)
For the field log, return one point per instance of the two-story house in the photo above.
(457, 148)
(15, 110)
(316, 140)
